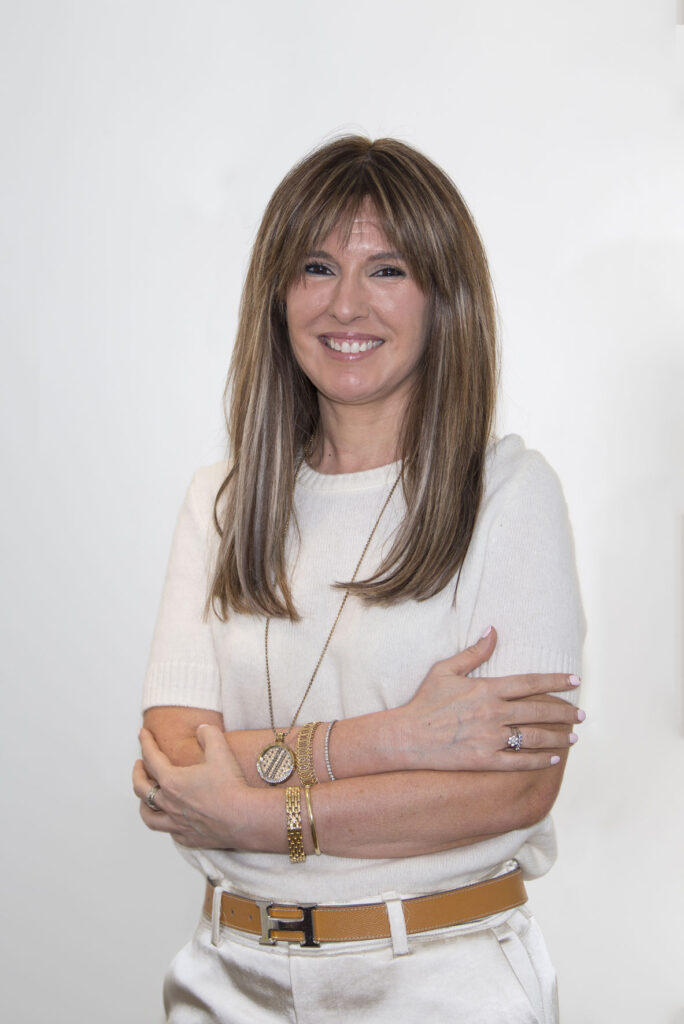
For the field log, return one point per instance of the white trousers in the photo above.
(492, 972)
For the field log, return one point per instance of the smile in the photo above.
(350, 347)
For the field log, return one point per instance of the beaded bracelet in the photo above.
(326, 750)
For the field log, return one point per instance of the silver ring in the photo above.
(149, 799)
(515, 740)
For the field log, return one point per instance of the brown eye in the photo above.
(390, 272)
(316, 269)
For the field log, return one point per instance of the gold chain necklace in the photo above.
(277, 761)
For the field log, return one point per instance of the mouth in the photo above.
(350, 344)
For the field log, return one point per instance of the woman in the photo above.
(347, 567)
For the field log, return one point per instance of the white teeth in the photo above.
(351, 347)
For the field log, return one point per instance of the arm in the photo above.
(453, 722)
(400, 814)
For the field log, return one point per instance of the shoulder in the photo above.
(206, 483)
(204, 486)
(514, 472)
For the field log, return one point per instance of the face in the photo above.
(356, 320)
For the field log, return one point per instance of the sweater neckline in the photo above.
(365, 480)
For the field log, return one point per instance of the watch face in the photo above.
(275, 763)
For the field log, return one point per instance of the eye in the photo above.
(389, 271)
(316, 268)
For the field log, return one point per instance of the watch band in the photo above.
(293, 816)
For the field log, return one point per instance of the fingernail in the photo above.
(555, 759)
(202, 726)
(574, 680)
(572, 738)
(486, 632)
(581, 715)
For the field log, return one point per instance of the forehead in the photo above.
(363, 231)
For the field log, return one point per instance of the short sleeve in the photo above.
(528, 589)
(182, 668)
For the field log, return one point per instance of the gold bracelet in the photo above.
(304, 754)
(309, 811)
(293, 817)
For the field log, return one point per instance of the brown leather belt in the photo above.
(312, 924)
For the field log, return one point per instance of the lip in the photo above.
(349, 336)
(350, 339)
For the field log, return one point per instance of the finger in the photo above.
(532, 738)
(157, 821)
(193, 841)
(474, 656)
(157, 803)
(179, 838)
(534, 684)
(156, 762)
(533, 712)
(142, 782)
(167, 821)
(522, 761)
(212, 740)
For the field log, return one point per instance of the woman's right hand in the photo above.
(458, 723)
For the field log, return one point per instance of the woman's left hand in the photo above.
(201, 806)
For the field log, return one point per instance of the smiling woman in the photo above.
(347, 564)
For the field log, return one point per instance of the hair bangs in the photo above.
(331, 200)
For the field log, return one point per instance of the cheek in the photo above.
(302, 304)
(416, 323)
(291, 313)
(295, 326)
(300, 337)
(410, 313)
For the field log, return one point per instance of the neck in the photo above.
(354, 441)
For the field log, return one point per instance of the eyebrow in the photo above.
(320, 254)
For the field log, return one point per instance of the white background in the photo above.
(140, 144)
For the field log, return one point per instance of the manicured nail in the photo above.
(581, 715)
(555, 759)
(486, 632)
(574, 680)
(572, 738)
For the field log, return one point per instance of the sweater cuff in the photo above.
(182, 684)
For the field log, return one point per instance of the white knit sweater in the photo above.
(519, 576)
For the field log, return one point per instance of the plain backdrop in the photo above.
(140, 143)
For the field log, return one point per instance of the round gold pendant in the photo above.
(276, 762)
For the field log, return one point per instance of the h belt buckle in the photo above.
(303, 923)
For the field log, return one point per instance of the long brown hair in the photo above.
(272, 406)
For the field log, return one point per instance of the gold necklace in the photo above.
(277, 761)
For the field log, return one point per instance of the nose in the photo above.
(348, 299)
